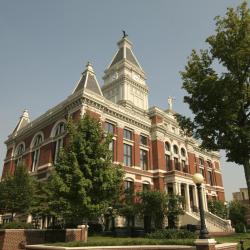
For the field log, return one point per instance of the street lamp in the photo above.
(198, 180)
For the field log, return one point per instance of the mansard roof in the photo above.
(125, 52)
(88, 81)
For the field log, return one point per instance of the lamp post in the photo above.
(198, 180)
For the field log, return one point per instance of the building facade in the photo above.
(147, 141)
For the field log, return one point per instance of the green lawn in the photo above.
(118, 241)
(114, 241)
(235, 238)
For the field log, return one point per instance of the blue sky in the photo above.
(45, 45)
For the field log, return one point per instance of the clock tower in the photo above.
(125, 80)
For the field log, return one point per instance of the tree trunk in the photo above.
(247, 176)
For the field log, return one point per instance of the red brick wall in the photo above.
(93, 114)
(119, 144)
(156, 119)
(158, 155)
(191, 162)
(136, 150)
(218, 179)
(15, 239)
(221, 196)
(46, 154)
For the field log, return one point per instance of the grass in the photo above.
(236, 239)
(125, 241)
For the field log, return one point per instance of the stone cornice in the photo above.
(77, 100)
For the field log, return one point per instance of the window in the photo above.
(209, 164)
(202, 171)
(127, 134)
(210, 178)
(145, 187)
(127, 151)
(60, 129)
(176, 164)
(176, 151)
(201, 162)
(109, 128)
(183, 152)
(111, 148)
(36, 153)
(19, 153)
(167, 146)
(184, 167)
(168, 163)
(144, 159)
(59, 134)
(143, 140)
(128, 187)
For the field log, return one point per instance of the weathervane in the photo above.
(124, 34)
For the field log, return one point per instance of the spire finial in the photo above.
(124, 34)
(25, 114)
(89, 67)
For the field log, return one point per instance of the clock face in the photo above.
(136, 77)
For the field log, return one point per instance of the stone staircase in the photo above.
(214, 223)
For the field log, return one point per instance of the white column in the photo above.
(187, 198)
(175, 188)
(205, 199)
(195, 197)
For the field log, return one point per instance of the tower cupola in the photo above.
(124, 78)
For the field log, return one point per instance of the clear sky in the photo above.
(44, 46)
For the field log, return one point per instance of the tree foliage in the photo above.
(217, 81)
(237, 213)
(218, 208)
(153, 205)
(84, 182)
(17, 192)
(157, 205)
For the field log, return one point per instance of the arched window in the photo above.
(145, 186)
(167, 146)
(176, 150)
(19, 152)
(128, 186)
(59, 133)
(36, 144)
(183, 152)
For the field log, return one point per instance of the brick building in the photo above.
(146, 141)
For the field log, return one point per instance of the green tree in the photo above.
(153, 206)
(218, 208)
(84, 182)
(128, 206)
(174, 209)
(217, 83)
(237, 215)
(17, 192)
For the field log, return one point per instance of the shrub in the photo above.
(171, 234)
(240, 228)
(17, 225)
